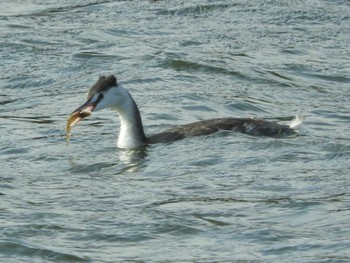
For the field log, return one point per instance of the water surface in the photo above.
(221, 198)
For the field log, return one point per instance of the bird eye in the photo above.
(100, 97)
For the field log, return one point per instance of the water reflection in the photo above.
(119, 161)
(133, 159)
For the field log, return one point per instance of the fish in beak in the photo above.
(82, 112)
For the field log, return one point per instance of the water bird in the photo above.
(107, 93)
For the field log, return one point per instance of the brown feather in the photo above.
(206, 127)
(103, 83)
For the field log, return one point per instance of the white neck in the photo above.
(131, 133)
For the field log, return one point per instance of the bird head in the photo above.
(104, 94)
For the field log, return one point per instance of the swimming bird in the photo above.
(107, 93)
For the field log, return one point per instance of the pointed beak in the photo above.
(82, 112)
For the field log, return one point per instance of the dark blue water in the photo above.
(226, 197)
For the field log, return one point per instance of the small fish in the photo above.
(73, 119)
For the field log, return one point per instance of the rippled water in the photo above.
(226, 197)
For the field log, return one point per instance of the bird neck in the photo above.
(131, 133)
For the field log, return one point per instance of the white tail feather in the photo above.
(296, 122)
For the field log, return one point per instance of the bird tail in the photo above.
(296, 122)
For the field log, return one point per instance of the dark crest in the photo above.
(103, 83)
